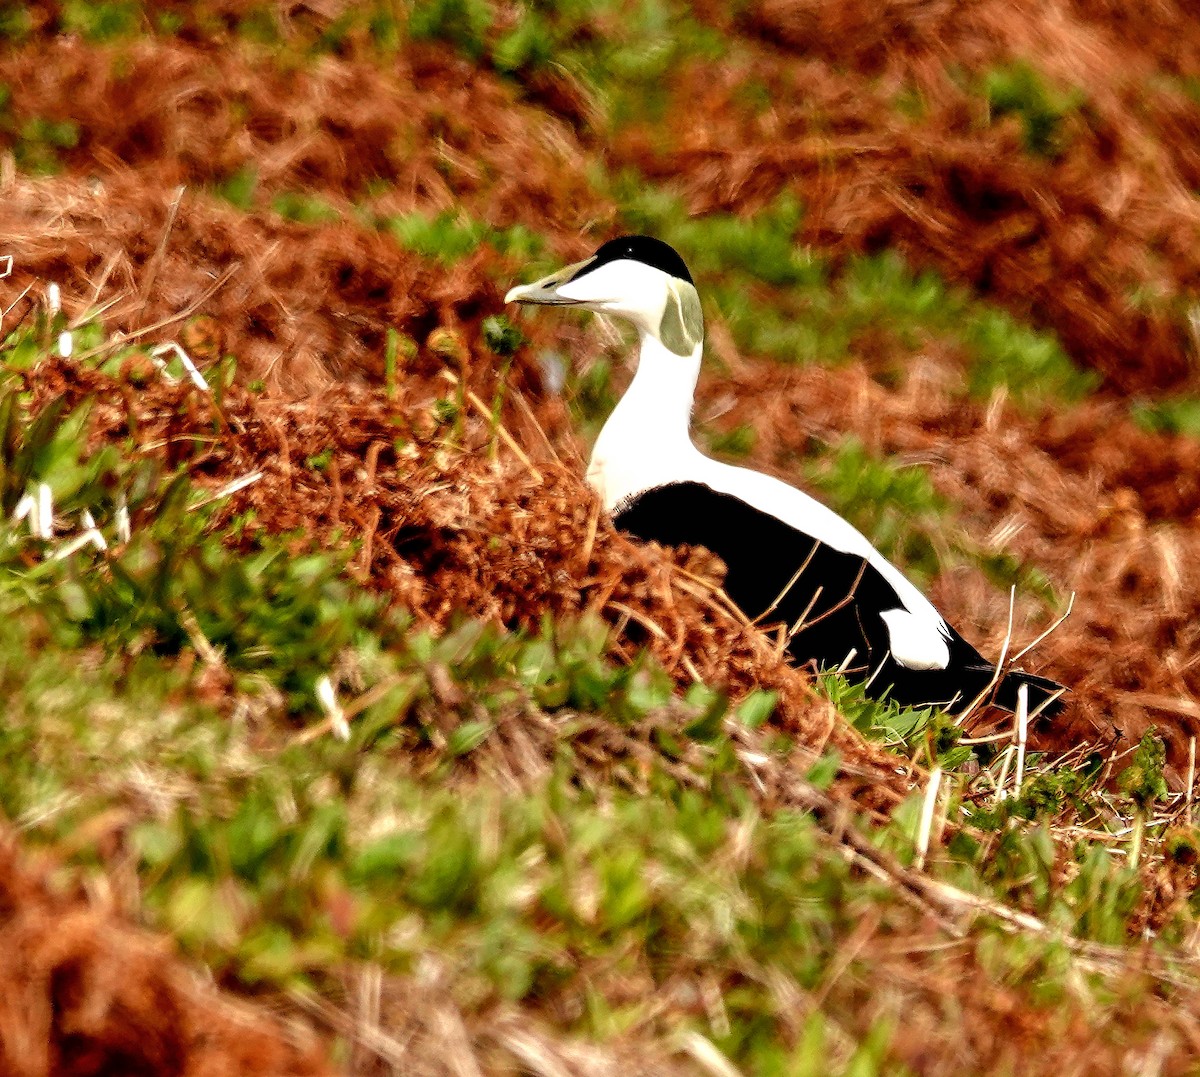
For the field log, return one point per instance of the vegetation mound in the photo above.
(321, 661)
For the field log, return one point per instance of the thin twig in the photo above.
(1067, 613)
(156, 259)
(998, 671)
(790, 584)
(119, 340)
(505, 436)
(1191, 778)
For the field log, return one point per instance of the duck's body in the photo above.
(790, 559)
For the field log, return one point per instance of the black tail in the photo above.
(1041, 689)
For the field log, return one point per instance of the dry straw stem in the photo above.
(955, 909)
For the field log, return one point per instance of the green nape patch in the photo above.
(782, 300)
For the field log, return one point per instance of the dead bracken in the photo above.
(370, 412)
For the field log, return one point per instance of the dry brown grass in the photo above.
(1067, 242)
(458, 522)
(87, 993)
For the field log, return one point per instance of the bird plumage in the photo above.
(789, 558)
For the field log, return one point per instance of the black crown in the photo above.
(646, 249)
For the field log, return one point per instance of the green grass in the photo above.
(638, 846)
(895, 506)
(239, 188)
(101, 21)
(1171, 415)
(898, 508)
(1020, 90)
(621, 50)
(37, 142)
(304, 208)
(450, 237)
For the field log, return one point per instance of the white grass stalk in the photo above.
(43, 523)
(1022, 735)
(705, 1054)
(925, 826)
(92, 532)
(1191, 779)
(332, 708)
(72, 546)
(39, 508)
(171, 348)
(1002, 781)
(6, 265)
(24, 507)
(124, 528)
(229, 488)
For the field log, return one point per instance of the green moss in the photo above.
(783, 301)
(1020, 90)
(101, 21)
(1171, 415)
(450, 237)
(38, 142)
(240, 188)
(303, 208)
(1143, 781)
(461, 23)
(15, 21)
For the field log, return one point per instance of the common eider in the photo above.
(789, 558)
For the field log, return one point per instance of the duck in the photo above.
(790, 560)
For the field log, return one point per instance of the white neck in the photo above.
(646, 439)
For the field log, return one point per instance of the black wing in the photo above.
(830, 600)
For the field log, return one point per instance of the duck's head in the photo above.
(638, 278)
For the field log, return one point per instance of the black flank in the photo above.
(836, 599)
